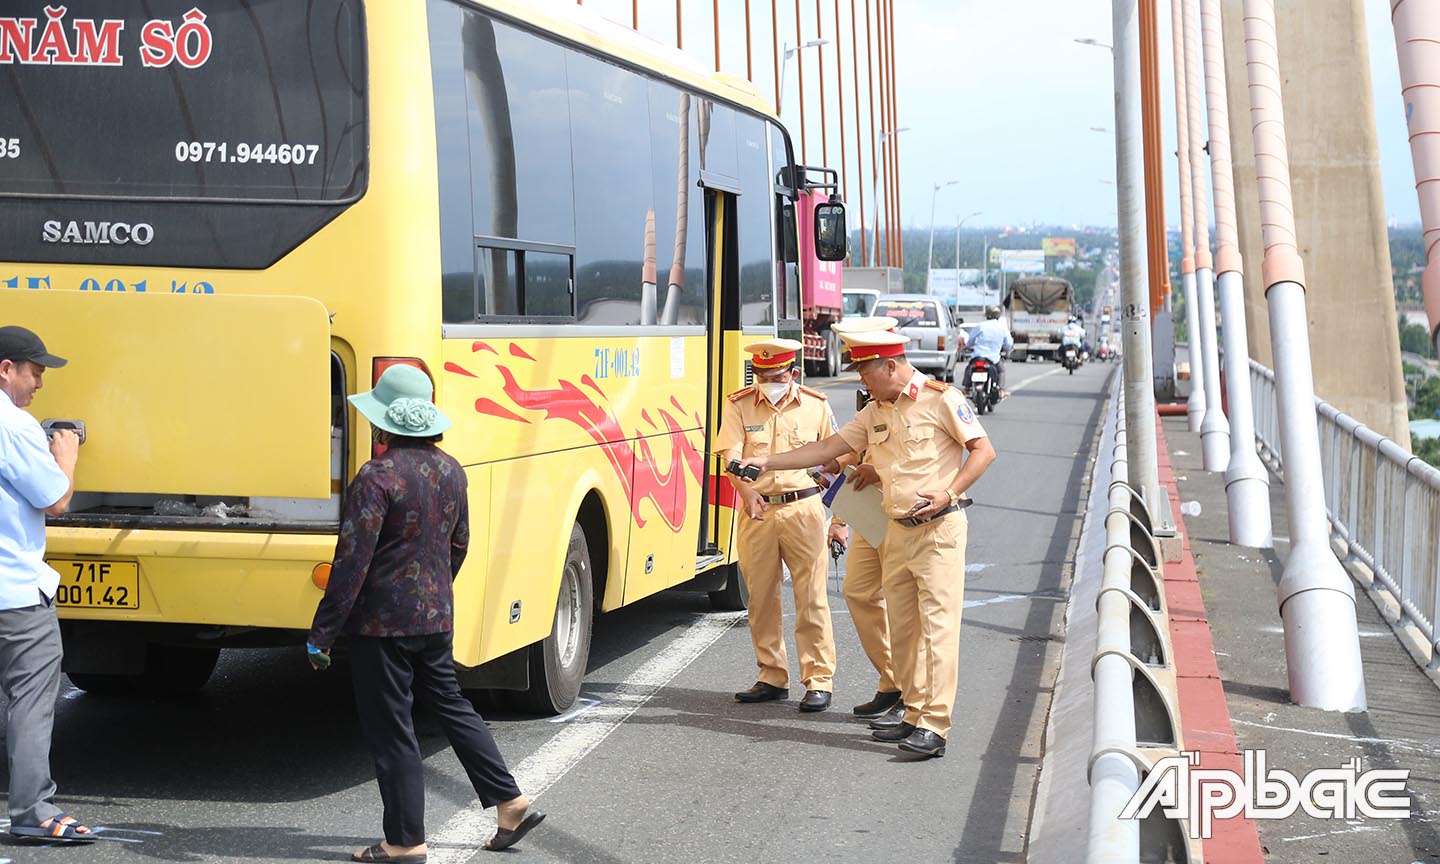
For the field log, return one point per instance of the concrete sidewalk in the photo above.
(1400, 730)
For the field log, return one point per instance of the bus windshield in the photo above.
(133, 99)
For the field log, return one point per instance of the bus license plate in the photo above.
(91, 584)
(980, 376)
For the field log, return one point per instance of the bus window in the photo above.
(679, 242)
(264, 108)
(519, 131)
(610, 146)
(227, 147)
(522, 280)
(545, 277)
(787, 246)
(452, 161)
(757, 278)
(718, 147)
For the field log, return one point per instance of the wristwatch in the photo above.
(954, 497)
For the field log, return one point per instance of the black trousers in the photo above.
(388, 674)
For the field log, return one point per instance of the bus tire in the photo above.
(832, 354)
(101, 684)
(735, 596)
(170, 670)
(178, 669)
(557, 662)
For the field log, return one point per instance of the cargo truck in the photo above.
(1040, 307)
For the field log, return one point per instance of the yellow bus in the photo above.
(231, 215)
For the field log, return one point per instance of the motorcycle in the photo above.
(1071, 358)
(982, 387)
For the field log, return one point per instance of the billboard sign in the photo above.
(1058, 247)
(963, 289)
(1022, 260)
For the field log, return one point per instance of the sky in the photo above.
(994, 95)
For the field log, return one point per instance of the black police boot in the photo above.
(894, 736)
(924, 742)
(762, 692)
(884, 700)
(892, 717)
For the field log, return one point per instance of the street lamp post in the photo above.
(958, 225)
(885, 134)
(930, 263)
(791, 51)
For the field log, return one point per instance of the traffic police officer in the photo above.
(864, 596)
(928, 449)
(782, 520)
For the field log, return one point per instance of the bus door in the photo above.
(726, 373)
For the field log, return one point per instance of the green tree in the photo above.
(1427, 449)
(1427, 399)
(1415, 339)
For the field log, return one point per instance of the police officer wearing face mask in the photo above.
(782, 519)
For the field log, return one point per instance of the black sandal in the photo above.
(505, 837)
(378, 853)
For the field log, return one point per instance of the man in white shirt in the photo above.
(991, 339)
(1073, 334)
(37, 476)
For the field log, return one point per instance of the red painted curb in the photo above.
(1204, 716)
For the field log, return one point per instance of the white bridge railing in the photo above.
(1383, 503)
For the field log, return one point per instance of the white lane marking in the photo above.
(464, 833)
(1003, 598)
(1027, 382)
(1363, 634)
(1393, 743)
(1351, 830)
(971, 569)
(582, 706)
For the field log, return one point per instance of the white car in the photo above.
(935, 340)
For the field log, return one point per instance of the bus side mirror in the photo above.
(831, 238)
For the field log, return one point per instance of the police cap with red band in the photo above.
(774, 353)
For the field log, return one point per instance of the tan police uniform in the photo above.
(865, 599)
(794, 528)
(918, 443)
(864, 596)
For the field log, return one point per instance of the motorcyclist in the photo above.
(991, 339)
(1073, 334)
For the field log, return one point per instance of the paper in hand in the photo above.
(863, 510)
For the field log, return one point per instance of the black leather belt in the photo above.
(911, 521)
(787, 497)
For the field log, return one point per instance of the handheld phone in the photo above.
(749, 472)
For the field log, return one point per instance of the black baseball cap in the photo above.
(17, 343)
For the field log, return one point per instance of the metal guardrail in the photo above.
(1383, 503)
(1133, 671)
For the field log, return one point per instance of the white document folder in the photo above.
(862, 510)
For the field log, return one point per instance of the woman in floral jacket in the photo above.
(403, 535)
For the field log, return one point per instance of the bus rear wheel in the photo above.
(557, 662)
(170, 670)
(735, 596)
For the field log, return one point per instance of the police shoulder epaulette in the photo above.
(813, 392)
(937, 385)
(741, 394)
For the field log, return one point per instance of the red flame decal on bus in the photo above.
(646, 481)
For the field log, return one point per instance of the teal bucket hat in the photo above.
(400, 404)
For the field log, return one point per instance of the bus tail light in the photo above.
(380, 364)
(378, 367)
